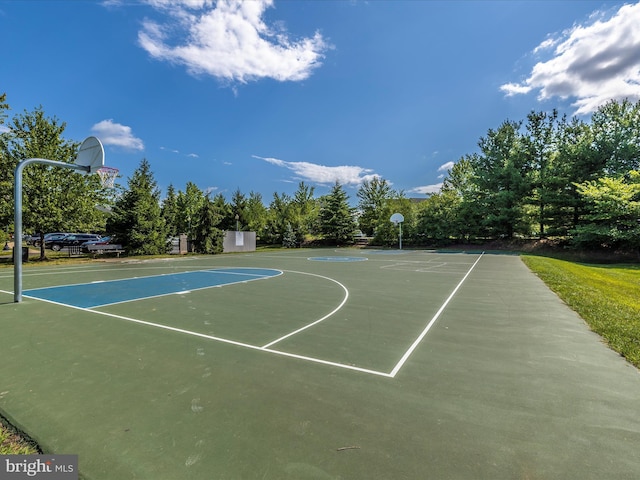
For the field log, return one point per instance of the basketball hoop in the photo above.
(108, 176)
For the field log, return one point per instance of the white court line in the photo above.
(266, 348)
(144, 277)
(415, 344)
(344, 300)
(223, 340)
(117, 268)
(219, 270)
(178, 292)
(326, 362)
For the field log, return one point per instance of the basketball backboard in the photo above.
(397, 218)
(91, 154)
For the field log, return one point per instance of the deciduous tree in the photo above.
(54, 198)
(189, 204)
(616, 131)
(256, 215)
(613, 218)
(372, 196)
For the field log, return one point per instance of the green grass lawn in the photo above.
(11, 443)
(607, 297)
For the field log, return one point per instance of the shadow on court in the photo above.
(508, 383)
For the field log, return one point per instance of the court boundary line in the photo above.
(265, 348)
(417, 341)
(142, 277)
(222, 340)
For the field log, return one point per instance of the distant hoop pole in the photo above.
(397, 219)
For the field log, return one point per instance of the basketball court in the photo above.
(314, 364)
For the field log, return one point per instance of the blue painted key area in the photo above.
(92, 295)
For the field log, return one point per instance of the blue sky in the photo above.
(260, 95)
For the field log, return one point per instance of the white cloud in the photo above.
(435, 188)
(427, 189)
(177, 152)
(344, 175)
(4, 129)
(591, 63)
(171, 150)
(229, 40)
(118, 135)
(547, 44)
(445, 167)
(512, 89)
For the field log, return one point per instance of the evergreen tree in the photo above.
(170, 211)
(540, 150)
(228, 221)
(239, 210)
(574, 161)
(336, 218)
(501, 176)
(136, 219)
(208, 238)
(289, 239)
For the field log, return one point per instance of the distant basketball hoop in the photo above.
(108, 176)
(397, 219)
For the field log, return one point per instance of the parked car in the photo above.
(35, 239)
(70, 240)
(101, 241)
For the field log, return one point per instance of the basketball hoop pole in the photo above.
(397, 219)
(17, 217)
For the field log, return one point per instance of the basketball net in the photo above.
(108, 176)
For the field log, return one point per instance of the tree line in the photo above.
(143, 222)
(545, 176)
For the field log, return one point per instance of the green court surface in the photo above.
(313, 365)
